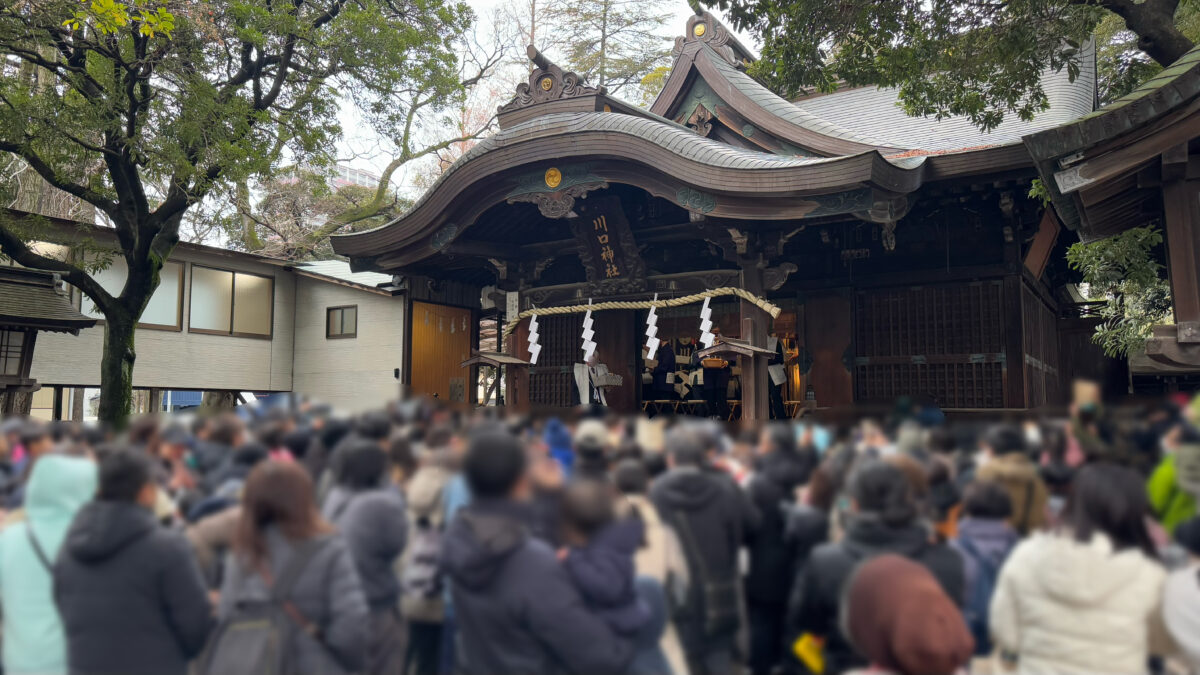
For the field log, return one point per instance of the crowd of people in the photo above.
(424, 540)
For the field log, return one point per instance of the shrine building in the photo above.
(904, 256)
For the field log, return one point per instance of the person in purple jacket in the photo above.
(599, 561)
(984, 539)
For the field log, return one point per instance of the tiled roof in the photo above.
(35, 299)
(832, 125)
(875, 112)
(1169, 89)
(674, 137)
(340, 269)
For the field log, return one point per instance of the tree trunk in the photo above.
(116, 370)
(215, 402)
(77, 404)
(1153, 21)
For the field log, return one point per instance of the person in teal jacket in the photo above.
(33, 634)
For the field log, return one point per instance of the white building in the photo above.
(225, 320)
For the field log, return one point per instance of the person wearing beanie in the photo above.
(1181, 597)
(898, 617)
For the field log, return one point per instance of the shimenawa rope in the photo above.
(761, 303)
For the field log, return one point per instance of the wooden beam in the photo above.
(1101, 167)
(1043, 244)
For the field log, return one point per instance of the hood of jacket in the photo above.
(689, 488)
(424, 492)
(992, 538)
(102, 529)
(58, 487)
(788, 470)
(1084, 574)
(625, 536)
(867, 536)
(1010, 468)
(480, 539)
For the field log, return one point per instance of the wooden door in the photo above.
(441, 341)
(827, 337)
(618, 345)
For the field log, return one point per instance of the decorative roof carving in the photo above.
(700, 121)
(548, 82)
(704, 27)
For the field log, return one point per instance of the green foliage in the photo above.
(1039, 191)
(290, 219)
(614, 43)
(1120, 65)
(1122, 271)
(651, 84)
(142, 109)
(982, 59)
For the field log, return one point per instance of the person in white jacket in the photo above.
(1181, 597)
(1086, 598)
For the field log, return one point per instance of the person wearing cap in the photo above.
(898, 618)
(1181, 597)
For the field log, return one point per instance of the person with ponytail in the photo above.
(884, 518)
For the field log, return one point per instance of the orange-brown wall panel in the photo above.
(441, 340)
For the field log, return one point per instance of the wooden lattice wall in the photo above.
(552, 380)
(944, 342)
(1040, 339)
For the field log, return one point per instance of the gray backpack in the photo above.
(259, 635)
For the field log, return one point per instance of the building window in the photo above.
(165, 309)
(231, 303)
(341, 322)
(12, 345)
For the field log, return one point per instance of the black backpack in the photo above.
(258, 636)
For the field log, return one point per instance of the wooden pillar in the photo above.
(1181, 214)
(516, 383)
(755, 405)
(404, 382)
(56, 412)
(155, 404)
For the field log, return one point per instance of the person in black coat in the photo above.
(130, 593)
(664, 390)
(775, 391)
(782, 468)
(884, 520)
(709, 514)
(515, 607)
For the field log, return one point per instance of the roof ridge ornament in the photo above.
(548, 82)
(704, 27)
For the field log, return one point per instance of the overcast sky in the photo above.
(360, 147)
